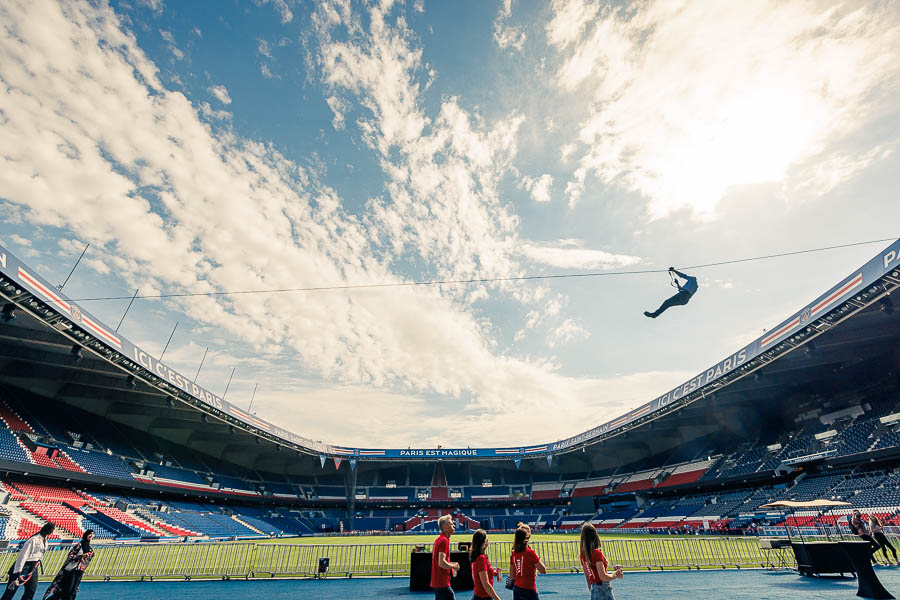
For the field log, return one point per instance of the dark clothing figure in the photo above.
(65, 585)
(27, 579)
(858, 527)
(24, 571)
(524, 594)
(444, 594)
(684, 295)
(885, 546)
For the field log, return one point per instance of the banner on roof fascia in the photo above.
(884, 262)
(23, 275)
(436, 453)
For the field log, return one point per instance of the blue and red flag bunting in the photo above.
(518, 462)
(322, 459)
(549, 460)
(352, 464)
(337, 462)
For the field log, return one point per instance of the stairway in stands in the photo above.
(248, 525)
(22, 524)
(439, 489)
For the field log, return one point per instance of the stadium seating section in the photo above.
(663, 498)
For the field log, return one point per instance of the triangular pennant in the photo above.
(352, 464)
(337, 462)
(322, 460)
(549, 460)
(518, 462)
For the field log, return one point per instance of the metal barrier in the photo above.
(892, 532)
(250, 560)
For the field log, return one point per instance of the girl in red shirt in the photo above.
(482, 572)
(524, 564)
(594, 564)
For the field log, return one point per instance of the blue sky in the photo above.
(216, 146)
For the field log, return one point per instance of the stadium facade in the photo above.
(96, 432)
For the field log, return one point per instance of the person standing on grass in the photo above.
(599, 580)
(524, 564)
(482, 572)
(24, 571)
(442, 570)
(66, 583)
(877, 528)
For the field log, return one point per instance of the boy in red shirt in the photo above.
(524, 564)
(594, 564)
(441, 569)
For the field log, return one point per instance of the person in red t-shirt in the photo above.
(594, 564)
(441, 569)
(524, 564)
(482, 572)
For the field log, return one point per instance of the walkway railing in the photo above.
(251, 560)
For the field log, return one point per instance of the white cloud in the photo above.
(506, 35)
(821, 174)
(571, 254)
(338, 107)
(281, 6)
(170, 41)
(538, 187)
(20, 241)
(680, 113)
(155, 5)
(210, 113)
(567, 331)
(221, 94)
(570, 17)
(169, 204)
(267, 72)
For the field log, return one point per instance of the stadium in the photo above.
(358, 298)
(180, 484)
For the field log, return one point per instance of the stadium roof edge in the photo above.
(22, 286)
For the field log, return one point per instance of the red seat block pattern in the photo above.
(27, 528)
(64, 517)
(48, 493)
(63, 460)
(12, 420)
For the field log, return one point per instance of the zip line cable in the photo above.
(363, 286)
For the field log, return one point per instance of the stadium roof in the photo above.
(849, 327)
